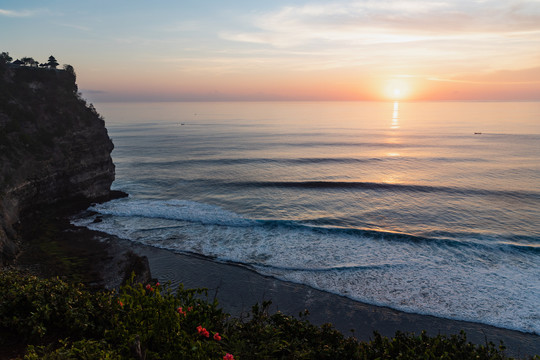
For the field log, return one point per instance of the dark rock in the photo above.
(98, 219)
(54, 150)
(137, 266)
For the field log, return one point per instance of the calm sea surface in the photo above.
(431, 208)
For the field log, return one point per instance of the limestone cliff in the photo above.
(54, 147)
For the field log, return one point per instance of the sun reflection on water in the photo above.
(394, 139)
(395, 116)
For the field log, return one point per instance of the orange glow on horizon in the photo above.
(156, 85)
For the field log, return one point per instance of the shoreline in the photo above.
(238, 288)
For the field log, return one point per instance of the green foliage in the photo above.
(32, 308)
(106, 325)
(57, 320)
(403, 346)
(83, 349)
(281, 336)
(166, 323)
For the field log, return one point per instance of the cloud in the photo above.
(522, 76)
(429, 38)
(17, 13)
(389, 21)
(28, 13)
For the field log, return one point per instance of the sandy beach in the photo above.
(238, 288)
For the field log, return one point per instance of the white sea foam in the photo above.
(172, 209)
(475, 283)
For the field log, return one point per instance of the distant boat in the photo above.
(477, 133)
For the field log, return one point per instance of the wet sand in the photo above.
(238, 288)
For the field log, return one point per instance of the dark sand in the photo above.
(238, 288)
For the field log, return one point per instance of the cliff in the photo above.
(54, 148)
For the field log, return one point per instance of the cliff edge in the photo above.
(54, 148)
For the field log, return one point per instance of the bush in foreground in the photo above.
(51, 319)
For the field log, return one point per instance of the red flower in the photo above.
(228, 357)
(149, 287)
(202, 331)
(120, 303)
(190, 308)
(181, 312)
(157, 284)
(217, 337)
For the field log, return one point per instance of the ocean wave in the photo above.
(299, 161)
(174, 210)
(195, 212)
(324, 269)
(388, 186)
(407, 272)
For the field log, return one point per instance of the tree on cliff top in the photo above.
(5, 58)
(70, 70)
(52, 62)
(29, 61)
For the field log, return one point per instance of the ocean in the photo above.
(429, 208)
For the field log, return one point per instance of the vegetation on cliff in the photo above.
(51, 319)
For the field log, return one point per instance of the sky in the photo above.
(284, 49)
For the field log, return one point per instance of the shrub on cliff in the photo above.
(32, 309)
(57, 320)
(5, 58)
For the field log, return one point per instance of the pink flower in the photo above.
(157, 284)
(181, 312)
(228, 357)
(190, 308)
(149, 287)
(217, 337)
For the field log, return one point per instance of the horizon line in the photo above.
(307, 100)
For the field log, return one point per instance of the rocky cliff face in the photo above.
(54, 148)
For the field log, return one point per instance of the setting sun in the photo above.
(397, 89)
